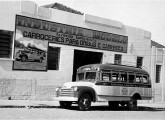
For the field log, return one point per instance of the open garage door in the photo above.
(84, 58)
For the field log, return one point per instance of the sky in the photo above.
(144, 14)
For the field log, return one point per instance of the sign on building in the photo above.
(33, 35)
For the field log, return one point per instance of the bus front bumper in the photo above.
(61, 98)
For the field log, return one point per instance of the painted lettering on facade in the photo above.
(33, 35)
(70, 35)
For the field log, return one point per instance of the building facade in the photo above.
(42, 47)
(157, 71)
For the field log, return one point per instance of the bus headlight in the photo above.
(74, 88)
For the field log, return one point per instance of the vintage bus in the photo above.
(119, 85)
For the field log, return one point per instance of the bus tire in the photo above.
(84, 102)
(132, 104)
(113, 104)
(65, 104)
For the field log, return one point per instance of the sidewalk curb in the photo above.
(25, 103)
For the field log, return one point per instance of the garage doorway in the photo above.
(84, 58)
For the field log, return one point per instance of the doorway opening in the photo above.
(84, 58)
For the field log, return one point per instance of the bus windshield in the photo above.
(88, 76)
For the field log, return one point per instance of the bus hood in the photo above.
(71, 84)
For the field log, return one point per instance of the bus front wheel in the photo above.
(84, 102)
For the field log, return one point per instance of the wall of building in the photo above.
(139, 42)
(158, 58)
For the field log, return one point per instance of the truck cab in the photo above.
(81, 92)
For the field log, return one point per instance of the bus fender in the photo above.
(89, 90)
(137, 96)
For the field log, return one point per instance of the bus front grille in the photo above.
(66, 92)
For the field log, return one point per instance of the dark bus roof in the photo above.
(116, 67)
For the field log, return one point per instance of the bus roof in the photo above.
(108, 66)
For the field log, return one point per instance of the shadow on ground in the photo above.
(106, 108)
(93, 108)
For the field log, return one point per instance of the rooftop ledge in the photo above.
(103, 21)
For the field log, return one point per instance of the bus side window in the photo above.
(145, 79)
(138, 78)
(123, 76)
(115, 76)
(106, 76)
(131, 77)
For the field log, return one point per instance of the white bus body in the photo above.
(116, 84)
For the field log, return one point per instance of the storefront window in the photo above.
(139, 62)
(53, 58)
(5, 44)
(158, 71)
(118, 58)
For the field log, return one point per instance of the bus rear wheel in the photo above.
(132, 104)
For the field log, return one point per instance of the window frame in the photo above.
(59, 55)
(140, 78)
(146, 79)
(128, 74)
(85, 76)
(118, 77)
(137, 61)
(158, 74)
(131, 73)
(9, 36)
(109, 74)
(122, 73)
(79, 74)
(118, 59)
